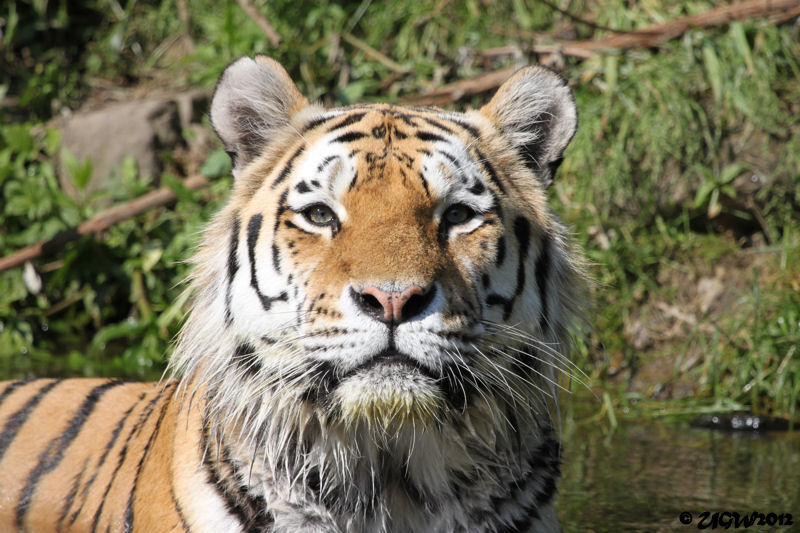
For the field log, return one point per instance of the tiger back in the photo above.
(380, 318)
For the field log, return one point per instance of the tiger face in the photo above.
(381, 311)
(388, 264)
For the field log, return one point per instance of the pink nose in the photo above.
(393, 303)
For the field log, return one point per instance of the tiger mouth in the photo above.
(389, 377)
(394, 359)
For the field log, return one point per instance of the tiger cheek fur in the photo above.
(380, 319)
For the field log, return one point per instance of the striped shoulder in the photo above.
(56, 437)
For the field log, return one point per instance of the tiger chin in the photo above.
(381, 316)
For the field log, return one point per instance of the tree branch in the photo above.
(778, 10)
(582, 20)
(100, 222)
(658, 33)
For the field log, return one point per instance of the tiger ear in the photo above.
(536, 110)
(254, 99)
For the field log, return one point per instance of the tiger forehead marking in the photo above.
(379, 323)
(425, 145)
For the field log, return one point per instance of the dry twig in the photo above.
(374, 54)
(453, 92)
(273, 36)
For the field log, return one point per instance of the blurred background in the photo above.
(682, 184)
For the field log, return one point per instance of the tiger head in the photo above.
(380, 266)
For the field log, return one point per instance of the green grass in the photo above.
(654, 184)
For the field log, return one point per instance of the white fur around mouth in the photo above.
(389, 388)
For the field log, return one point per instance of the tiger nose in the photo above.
(395, 306)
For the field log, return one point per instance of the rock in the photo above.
(708, 291)
(141, 129)
(741, 421)
(192, 106)
(637, 334)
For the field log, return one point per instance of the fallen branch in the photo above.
(658, 33)
(100, 222)
(455, 91)
(779, 10)
(273, 36)
(374, 54)
(582, 20)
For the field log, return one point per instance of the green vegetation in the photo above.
(683, 182)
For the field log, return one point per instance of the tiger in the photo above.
(380, 322)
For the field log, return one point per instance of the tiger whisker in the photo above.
(520, 362)
(535, 342)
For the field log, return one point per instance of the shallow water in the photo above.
(642, 476)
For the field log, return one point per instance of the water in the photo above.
(642, 476)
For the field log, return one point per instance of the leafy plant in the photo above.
(708, 193)
(78, 172)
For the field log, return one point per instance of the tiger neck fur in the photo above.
(304, 472)
(283, 464)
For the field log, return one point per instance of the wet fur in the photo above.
(290, 409)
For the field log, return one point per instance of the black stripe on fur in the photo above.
(18, 419)
(51, 457)
(143, 417)
(102, 460)
(542, 272)
(128, 527)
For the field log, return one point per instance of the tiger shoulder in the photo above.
(381, 315)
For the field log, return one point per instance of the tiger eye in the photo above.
(319, 214)
(458, 214)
